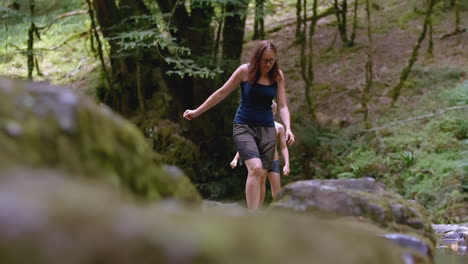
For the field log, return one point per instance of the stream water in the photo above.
(447, 256)
(452, 244)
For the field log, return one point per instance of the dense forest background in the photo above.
(375, 88)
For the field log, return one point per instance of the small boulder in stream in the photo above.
(363, 199)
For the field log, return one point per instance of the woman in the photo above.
(274, 173)
(254, 126)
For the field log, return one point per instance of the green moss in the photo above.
(83, 139)
(176, 150)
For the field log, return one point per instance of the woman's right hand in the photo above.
(189, 114)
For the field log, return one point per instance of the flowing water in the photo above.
(447, 256)
(452, 244)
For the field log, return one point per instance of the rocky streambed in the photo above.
(452, 241)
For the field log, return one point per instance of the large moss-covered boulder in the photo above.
(362, 198)
(45, 126)
(50, 218)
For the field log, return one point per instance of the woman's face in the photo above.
(267, 61)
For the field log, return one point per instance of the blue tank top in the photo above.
(255, 105)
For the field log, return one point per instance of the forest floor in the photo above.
(340, 71)
(413, 159)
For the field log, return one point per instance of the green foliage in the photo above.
(406, 158)
(425, 160)
(362, 162)
(62, 53)
(457, 96)
(158, 39)
(422, 76)
(183, 67)
(315, 147)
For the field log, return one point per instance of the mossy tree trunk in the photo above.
(458, 31)
(298, 20)
(355, 22)
(219, 30)
(369, 68)
(94, 36)
(307, 56)
(430, 45)
(259, 22)
(395, 93)
(33, 31)
(132, 76)
(213, 130)
(341, 11)
(218, 141)
(122, 94)
(195, 31)
(455, 4)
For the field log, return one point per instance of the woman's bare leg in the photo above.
(252, 186)
(262, 188)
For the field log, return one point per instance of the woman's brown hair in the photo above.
(255, 60)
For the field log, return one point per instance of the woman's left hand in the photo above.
(289, 137)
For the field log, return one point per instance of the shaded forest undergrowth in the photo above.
(423, 159)
(419, 155)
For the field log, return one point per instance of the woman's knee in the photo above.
(258, 171)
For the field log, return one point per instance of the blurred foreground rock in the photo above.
(44, 126)
(48, 218)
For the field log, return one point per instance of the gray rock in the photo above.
(362, 198)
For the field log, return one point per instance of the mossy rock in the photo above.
(362, 198)
(49, 218)
(175, 149)
(47, 126)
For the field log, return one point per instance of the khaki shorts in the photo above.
(256, 142)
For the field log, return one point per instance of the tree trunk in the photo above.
(194, 31)
(141, 101)
(307, 57)
(369, 68)
(32, 29)
(218, 38)
(213, 130)
(221, 118)
(458, 31)
(122, 93)
(430, 45)
(341, 12)
(355, 23)
(414, 55)
(259, 24)
(98, 49)
(298, 20)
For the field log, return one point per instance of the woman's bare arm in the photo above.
(284, 150)
(219, 95)
(235, 160)
(283, 109)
